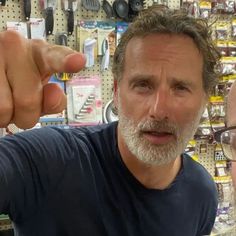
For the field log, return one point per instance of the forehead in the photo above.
(160, 44)
(176, 54)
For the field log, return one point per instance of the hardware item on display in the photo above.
(110, 112)
(49, 7)
(107, 7)
(2, 2)
(106, 55)
(121, 9)
(20, 27)
(89, 46)
(92, 5)
(70, 6)
(27, 9)
(37, 28)
(84, 105)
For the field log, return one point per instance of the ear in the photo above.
(115, 93)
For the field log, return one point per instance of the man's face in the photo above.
(160, 97)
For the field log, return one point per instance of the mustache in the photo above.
(157, 126)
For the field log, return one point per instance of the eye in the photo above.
(142, 86)
(181, 88)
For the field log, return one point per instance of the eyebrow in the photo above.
(144, 77)
(186, 83)
(140, 77)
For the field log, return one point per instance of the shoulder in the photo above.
(100, 132)
(91, 139)
(197, 177)
(67, 133)
(195, 170)
(63, 137)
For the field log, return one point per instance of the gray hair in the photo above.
(154, 20)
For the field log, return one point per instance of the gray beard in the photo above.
(150, 153)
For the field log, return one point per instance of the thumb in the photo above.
(54, 99)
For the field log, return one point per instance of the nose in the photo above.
(159, 104)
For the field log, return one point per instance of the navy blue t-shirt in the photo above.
(56, 182)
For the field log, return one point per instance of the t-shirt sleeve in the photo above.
(31, 164)
(209, 211)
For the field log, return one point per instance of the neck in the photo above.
(150, 176)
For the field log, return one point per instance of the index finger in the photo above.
(56, 59)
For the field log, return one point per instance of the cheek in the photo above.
(186, 114)
(132, 108)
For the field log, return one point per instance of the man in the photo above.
(227, 136)
(125, 178)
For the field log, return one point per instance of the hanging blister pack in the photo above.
(87, 40)
(84, 100)
(89, 45)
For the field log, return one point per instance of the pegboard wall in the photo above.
(206, 158)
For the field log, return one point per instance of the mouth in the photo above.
(158, 138)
